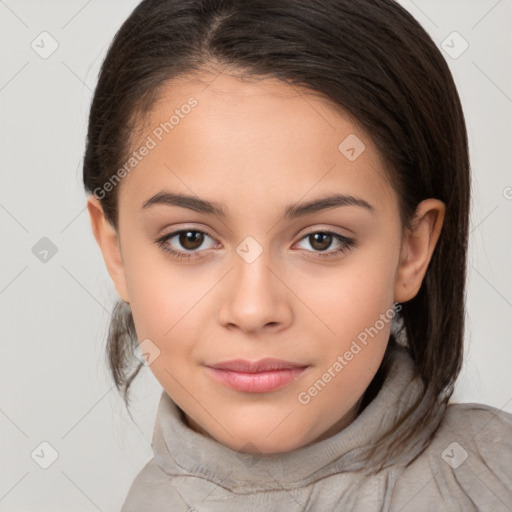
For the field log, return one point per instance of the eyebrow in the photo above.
(290, 212)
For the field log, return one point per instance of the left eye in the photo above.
(323, 239)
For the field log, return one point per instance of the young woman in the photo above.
(280, 190)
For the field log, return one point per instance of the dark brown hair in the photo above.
(372, 58)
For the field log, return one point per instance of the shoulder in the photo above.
(154, 490)
(479, 425)
(480, 432)
(467, 465)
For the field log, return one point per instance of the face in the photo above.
(255, 264)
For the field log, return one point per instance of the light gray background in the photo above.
(54, 383)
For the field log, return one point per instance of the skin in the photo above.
(257, 147)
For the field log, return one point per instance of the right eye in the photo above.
(189, 239)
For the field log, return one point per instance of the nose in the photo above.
(255, 298)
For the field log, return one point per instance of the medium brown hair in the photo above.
(372, 58)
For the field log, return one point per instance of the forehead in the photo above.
(218, 133)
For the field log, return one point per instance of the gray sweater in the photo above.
(467, 466)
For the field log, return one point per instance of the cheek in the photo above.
(164, 309)
(163, 298)
(345, 300)
(355, 304)
(357, 314)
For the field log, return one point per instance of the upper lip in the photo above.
(262, 365)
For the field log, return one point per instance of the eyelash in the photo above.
(346, 244)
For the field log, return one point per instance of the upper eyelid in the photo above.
(175, 232)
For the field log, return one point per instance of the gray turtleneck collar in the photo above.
(192, 473)
(179, 450)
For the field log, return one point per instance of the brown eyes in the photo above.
(192, 239)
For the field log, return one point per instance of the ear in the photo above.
(108, 241)
(417, 248)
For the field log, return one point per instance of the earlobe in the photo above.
(107, 238)
(417, 249)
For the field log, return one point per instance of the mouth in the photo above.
(259, 376)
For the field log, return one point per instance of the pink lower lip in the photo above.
(255, 382)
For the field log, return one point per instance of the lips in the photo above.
(260, 376)
(263, 365)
